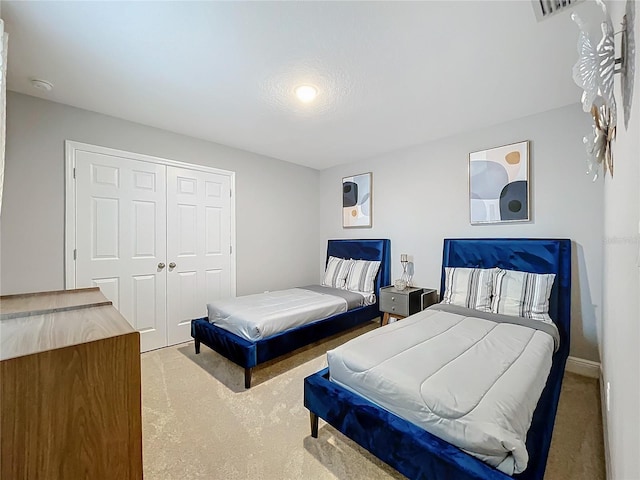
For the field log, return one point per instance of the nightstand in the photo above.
(402, 303)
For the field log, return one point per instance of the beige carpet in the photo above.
(200, 422)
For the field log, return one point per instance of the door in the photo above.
(198, 246)
(155, 235)
(121, 238)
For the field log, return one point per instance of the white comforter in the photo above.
(259, 316)
(470, 381)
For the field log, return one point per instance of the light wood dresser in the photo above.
(69, 388)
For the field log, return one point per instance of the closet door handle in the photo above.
(161, 265)
(172, 265)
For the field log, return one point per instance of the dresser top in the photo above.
(36, 322)
(29, 304)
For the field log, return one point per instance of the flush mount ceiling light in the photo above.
(41, 84)
(306, 93)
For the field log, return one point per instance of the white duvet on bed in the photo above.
(470, 381)
(259, 316)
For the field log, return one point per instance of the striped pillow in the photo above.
(469, 287)
(336, 272)
(362, 276)
(522, 294)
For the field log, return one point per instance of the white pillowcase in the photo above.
(469, 287)
(362, 276)
(522, 294)
(335, 275)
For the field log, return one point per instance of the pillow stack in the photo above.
(469, 287)
(354, 275)
(362, 276)
(506, 292)
(522, 294)
(336, 272)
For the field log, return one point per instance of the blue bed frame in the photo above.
(248, 353)
(410, 449)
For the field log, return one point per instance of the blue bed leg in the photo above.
(197, 343)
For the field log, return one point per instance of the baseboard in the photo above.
(580, 366)
(605, 430)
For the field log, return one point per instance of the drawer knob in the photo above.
(393, 308)
(393, 298)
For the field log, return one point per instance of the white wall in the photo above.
(620, 332)
(420, 196)
(276, 201)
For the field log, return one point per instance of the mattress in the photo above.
(474, 382)
(259, 316)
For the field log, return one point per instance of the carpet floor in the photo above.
(200, 422)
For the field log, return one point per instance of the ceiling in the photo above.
(390, 74)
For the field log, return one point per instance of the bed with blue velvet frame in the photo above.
(410, 449)
(248, 353)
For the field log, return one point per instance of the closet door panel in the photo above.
(198, 244)
(121, 238)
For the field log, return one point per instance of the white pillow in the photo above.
(522, 294)
(336, 272)
(362, 276)
(469, 287)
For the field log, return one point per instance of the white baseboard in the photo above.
(586, 368)
(605, 430)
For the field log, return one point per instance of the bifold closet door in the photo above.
(156, 239)
(121, 238)
(198, 246)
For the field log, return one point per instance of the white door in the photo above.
(121, 238)
(155, 235)
(198, 246)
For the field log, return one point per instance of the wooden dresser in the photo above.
(69, 388)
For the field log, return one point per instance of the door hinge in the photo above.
(75, 254)
(230, 249)
(230, 193)
(74, 172)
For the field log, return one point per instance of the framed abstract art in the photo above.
(356, 201)
(499, 184)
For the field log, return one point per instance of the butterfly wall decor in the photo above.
(594, 74)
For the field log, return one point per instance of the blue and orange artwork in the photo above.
(356, 201)
(499, 184)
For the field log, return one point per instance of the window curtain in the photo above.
(4, 41)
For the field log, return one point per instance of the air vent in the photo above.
(546, 8)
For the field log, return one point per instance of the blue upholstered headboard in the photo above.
(537, 255)
(369, 249)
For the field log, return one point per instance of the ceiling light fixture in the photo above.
(306, 93)
(41, 84)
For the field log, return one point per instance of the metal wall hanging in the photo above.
(594, 74)
(628, 63)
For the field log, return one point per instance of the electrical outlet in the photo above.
(607, 396)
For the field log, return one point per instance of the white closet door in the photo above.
(121, 238)
(198, 246)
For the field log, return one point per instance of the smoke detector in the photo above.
(42, 85)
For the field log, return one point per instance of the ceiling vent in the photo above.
(546, 8)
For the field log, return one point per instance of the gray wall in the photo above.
(420, 196)
(276, 201)
(621, 317)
